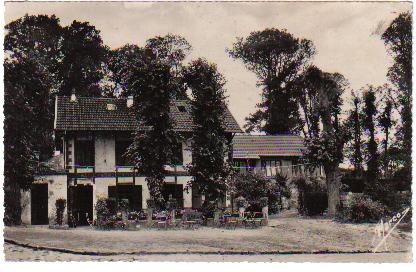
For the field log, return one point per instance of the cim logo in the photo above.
(387, 227)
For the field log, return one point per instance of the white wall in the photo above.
(26, 207)
(105, 154)
(187, 152)
(56, 189)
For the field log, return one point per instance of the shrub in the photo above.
(101, 208)
(254, 186)
(123, 205)
(151, 203)
(312, 196)
(361, 209)
(208, 208)
(60, 205)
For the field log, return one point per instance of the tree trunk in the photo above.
(333, 190)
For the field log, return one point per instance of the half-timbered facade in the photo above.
(95, 134)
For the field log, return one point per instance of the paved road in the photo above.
(18, 253)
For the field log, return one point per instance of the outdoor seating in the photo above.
(192, 219)
(252, 219)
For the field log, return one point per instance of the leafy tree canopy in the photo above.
(277, 58)
(83, 55)
(209, 139)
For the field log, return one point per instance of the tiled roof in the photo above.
(256, 146)
(87, 113)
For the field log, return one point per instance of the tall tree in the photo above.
(355, 133)
(398, 40)
(386, 122)
(151, 86)
(83, 55)
(171, 49)
(209, 141)
(326, 148)
(369, 126)
(21, 80)
(277, 58)
(36, 40)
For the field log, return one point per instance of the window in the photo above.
(181, 108)
(130, 193)
(121, 149)
(271, 167)
(177, 158)
(84, 152)
(173, 191)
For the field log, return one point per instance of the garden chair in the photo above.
(248, 220)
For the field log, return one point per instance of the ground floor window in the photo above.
(246, 165)
(271, 167)
(173, 191)
(132, 194)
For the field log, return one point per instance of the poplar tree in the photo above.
(209, 140)
(326, 146)
(369, 126)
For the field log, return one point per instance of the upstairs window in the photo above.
(121, 149)
(177, 158)
(84, 152)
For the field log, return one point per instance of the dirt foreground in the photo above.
(283, 235)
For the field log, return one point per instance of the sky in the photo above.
(346, 34)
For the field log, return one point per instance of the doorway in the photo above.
(39, 204)
(81, 204)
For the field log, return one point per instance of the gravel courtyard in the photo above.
(283, 235)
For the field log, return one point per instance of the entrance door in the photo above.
(39, 204)
(82, 203)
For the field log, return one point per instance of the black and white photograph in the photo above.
(207, 132)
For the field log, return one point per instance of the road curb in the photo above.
(223, 252)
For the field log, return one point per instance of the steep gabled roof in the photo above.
(256, 146)
(88, 113)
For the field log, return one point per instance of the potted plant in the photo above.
(103, 212)
(60, 206)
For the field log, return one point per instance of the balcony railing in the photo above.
(290, 171)
(294, 171)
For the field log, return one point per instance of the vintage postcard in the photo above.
(208, 131)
